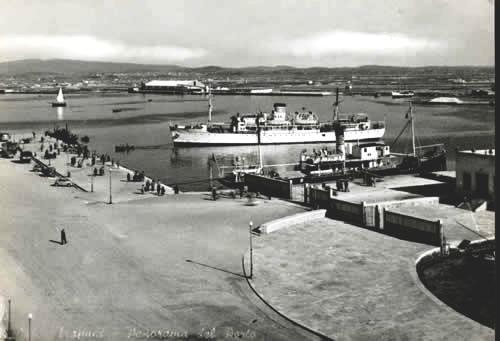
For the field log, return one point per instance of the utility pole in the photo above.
(250, 225)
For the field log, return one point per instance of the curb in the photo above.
(3, 329)
(322, 336)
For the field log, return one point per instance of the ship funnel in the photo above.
(279, 113)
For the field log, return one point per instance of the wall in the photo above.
(318, 197)
(474, 163)
(347, 211)
(373, 212)
(413, 228)
(267, 186)
(291, 220)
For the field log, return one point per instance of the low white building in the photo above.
(475, 173)
(175, 86)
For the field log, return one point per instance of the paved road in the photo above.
(352, 283)
(169, 263)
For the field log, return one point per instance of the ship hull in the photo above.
(56, 104)
(407, 165)
(203, 138)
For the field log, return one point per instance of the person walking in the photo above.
(214, 193)
(63, 237)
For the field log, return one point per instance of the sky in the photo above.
(236, 33)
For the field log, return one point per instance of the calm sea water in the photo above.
(144, 122)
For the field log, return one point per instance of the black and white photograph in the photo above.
(247, 170)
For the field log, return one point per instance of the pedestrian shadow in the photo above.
(55, 241)
(215, 268)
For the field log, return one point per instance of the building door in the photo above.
(467, 182)
(482, 184)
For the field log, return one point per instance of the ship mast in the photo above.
(412, 130)
(209, 105)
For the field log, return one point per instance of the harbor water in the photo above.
(110, 119)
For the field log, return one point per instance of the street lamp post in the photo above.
(30, 317)
(250, 225)
(110, 194)
(9, 329)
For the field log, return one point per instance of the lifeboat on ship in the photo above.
(306, 118)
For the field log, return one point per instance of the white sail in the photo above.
(60, 96)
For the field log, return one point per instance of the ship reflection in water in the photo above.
(60, 113)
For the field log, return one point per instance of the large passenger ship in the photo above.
(277, 127)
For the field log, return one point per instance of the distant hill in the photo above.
(68, 67)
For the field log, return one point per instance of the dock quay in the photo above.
(169, 263)
(348, 270)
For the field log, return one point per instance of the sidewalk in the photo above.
(97, 187)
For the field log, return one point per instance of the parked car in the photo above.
(63, 182)
(26, 156)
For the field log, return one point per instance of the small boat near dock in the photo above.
(124, 148)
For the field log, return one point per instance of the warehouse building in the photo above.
(175, 86)
(476, 173)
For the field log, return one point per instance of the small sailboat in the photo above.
(60, 102)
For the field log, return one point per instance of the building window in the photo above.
(467, 181)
